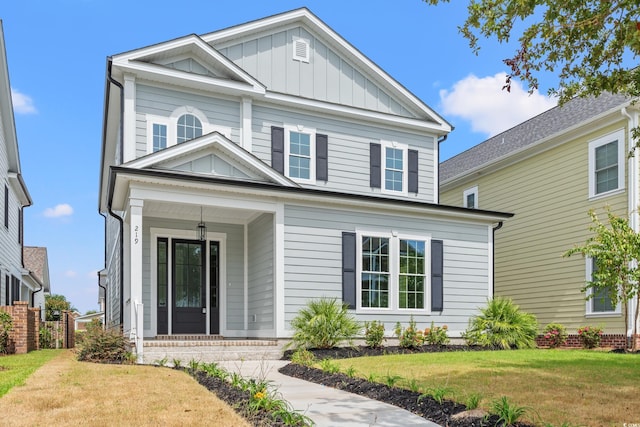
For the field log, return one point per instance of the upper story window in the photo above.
(184, 124)
(189, 127)
(299, 155)
(159, 137)
(606, 164)
(393, 272)
(600, 303)
(394, 169)
(470, 198)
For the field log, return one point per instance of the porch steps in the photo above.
(209, 349)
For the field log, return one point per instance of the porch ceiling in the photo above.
(192, 212)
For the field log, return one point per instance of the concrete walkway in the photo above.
(326, 406)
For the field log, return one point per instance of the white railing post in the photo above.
(139, 336)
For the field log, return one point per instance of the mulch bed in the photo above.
(425, 406)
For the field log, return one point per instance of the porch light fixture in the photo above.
(201, 229)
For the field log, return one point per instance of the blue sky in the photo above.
(57, 50)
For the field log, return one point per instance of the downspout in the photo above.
(33, 295)
(105, 264)
(493, 258)
(113, 214)
(632, 182)
(441, 139)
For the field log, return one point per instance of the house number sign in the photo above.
(135, 235)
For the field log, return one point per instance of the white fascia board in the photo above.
(250, 197)
(192, 42)
(222, 143)
(357, 113)
(196, 81)
(580, 129)
(19, 188)
(305, 16)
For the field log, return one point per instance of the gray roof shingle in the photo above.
(529, 132)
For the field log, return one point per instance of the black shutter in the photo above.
(322, 154)
(375, 171)
(349, 269)
(413, 171)
(437, 265)
(277, 149)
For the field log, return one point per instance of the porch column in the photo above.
(135, 246)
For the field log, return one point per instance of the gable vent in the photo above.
(300, 50)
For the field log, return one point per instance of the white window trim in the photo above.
(589, 303)
(171, 123)
(405, 166)
(467, 192)
(604, 140)
(394, 273)
(295, 42)
(312, 143)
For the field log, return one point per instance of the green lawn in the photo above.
(576, 387)
(15, 368)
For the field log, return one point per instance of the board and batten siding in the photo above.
(260, 288)
(112, 309)
(348, 149)
(549, 194)
(234, 285)
(162, 102)
(313, 254)
(326, 76)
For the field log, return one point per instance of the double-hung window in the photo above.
(470, 198)
(606, 164)
(159, 137)
(299, 155)
(394, 169)
(599, 301)
(393, 272)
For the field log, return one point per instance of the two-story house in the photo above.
(14, 197)
(550, 171)
(249, 170)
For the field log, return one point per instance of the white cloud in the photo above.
(488, 107)
(60, 210)
(70, 273)
(22, 104)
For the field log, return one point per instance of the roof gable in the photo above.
(213, 155)
(190, 59)
(335, 71)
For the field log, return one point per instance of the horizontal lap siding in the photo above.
(326, 77)
(348, 149)
(260, 292)
(549, 195)
(162, 102)
(313, 255)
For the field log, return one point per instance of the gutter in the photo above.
(104, 326)
(441, 139)
(113, 214)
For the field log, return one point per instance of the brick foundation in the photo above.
(608, 340)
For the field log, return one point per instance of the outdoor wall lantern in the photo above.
(201, 229)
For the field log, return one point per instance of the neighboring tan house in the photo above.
(35, 276)
(550, 171)
(14, 197)
(252, 169)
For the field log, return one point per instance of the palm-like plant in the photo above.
(323, 323)
(502, 324)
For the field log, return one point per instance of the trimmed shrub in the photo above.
(590, 336)
(374, 334)
(409, 337)
(501, 324)
(324, 323)
(556, 334)
(99, 345)
(6, 325)
(436, 335)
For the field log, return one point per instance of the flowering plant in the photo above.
(555, 334)
(436, 335)
(411, 337)
(590, 336)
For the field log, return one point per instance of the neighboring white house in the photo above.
(249, 170)
(14, 197)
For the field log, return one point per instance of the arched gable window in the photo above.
(189, 127)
